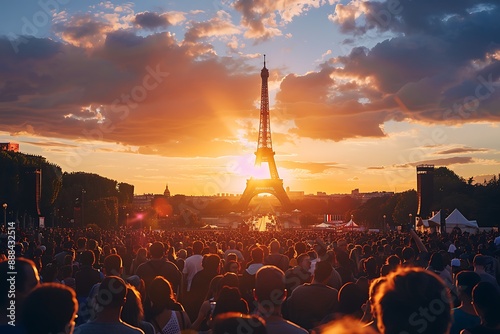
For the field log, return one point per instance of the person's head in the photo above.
(257, 255)
(322, 272)
(479, 262)
(436, 262)
(197, 247)
(232, 257)
(87, 258)
(269, 288)
(229, 300)
(49, 308)
(466, 281)
(132, 312)
(142, 253)
(25, 280)
(370, 266)
(111, 293)
(234, 322)
(161, 295)
(157, 250)
(486, 301)
(113, 265)
(413, 300)
(408, 254)
(230, 280)
(232, 267)
(351, 299)
(274, 246)
(66, 271)
(81, 243)
(300, 247)
(304, 261)
(211, 263)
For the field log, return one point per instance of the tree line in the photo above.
(71, 199)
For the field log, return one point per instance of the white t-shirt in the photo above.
(191, 266)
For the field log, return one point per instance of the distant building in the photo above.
(294, 194)
(9, 147)
(425, 190)
(166, 193)
(142, 202)
(366, 196)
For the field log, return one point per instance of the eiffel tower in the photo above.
(265, 153)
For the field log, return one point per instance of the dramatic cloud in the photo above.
(152, 20)
(145, 92)
(217, 26)
(149, 20)
(82, 30)
(440, 65)
(263, 19)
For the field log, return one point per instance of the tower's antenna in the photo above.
(264, 60)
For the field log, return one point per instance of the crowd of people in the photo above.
(226, 281)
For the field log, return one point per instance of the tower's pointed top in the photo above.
(264, 61)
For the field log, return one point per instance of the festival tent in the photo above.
(436, 219)
(322, 225)
(351, 226)
(457, 219)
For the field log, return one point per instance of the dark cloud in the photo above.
(376, 167)
(82, 30)
(151, 20)
(445, 161)
(462, 150)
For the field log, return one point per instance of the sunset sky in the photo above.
(158, 92)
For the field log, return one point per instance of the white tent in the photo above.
(457, 219)
(436, 218)
(351, 226)
(322, 225)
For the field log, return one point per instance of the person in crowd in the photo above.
(201, 282)
(311, 302)
(275, 258)
(247, 281)
(133, 312)
(413, 300)
(270, 293)
(158, 266)
(464, 316)
(49, 308)
(139, 259)
(166, 314)
(232, 267)
(479, 263)
(486, 301)
(109, 302)
(193, 264)
(299, 274)
(232, 249)
(351, 300)
(87, 276)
